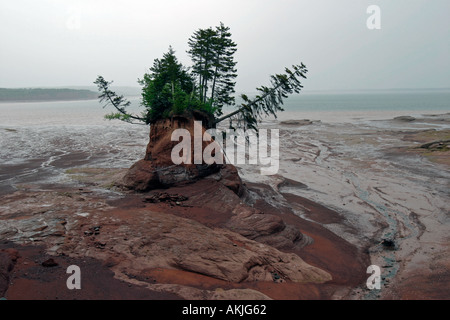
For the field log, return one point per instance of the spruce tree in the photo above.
(212, 51)
(269, 101)
(170, 88)
(167, 81)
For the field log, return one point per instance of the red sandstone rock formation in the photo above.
(197, 239)
(157, 169)
(8, 258)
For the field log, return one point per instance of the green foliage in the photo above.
(212, 53)
(118, 116)
(270, 101)
(170, 89)
(118, 102)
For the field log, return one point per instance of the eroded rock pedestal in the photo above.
(157, 169)
(189, 232)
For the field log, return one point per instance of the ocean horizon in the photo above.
(327, 106)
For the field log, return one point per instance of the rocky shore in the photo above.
(212, 233)
(196, 232)
(196, 241)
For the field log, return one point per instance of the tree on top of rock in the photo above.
(167, 89)
(171, 89)
(212, 52)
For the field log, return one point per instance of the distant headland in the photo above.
(44, 94)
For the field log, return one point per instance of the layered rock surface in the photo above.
(199, 238)
(135, 238)
(157, 169)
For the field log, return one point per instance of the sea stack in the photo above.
(157, 169)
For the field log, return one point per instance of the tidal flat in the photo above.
(362, 192)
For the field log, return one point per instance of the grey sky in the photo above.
(68, 42)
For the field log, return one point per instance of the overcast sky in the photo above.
(68, 42)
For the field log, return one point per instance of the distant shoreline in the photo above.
(58, 100)
(45, 95)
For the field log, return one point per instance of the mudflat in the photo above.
(346, 196)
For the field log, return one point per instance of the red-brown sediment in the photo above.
(29, 279)
(217, 205)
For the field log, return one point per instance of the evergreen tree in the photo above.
(167, 81)
(212, 53)
(201, 52)
(222, 92)
(269, 101)
(118, 102)
(170, 88)
(167, 90)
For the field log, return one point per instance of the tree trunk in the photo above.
(214, 83)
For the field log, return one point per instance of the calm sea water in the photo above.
(39, 141)
(337, 107)
(317, 106)
(421, 101)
